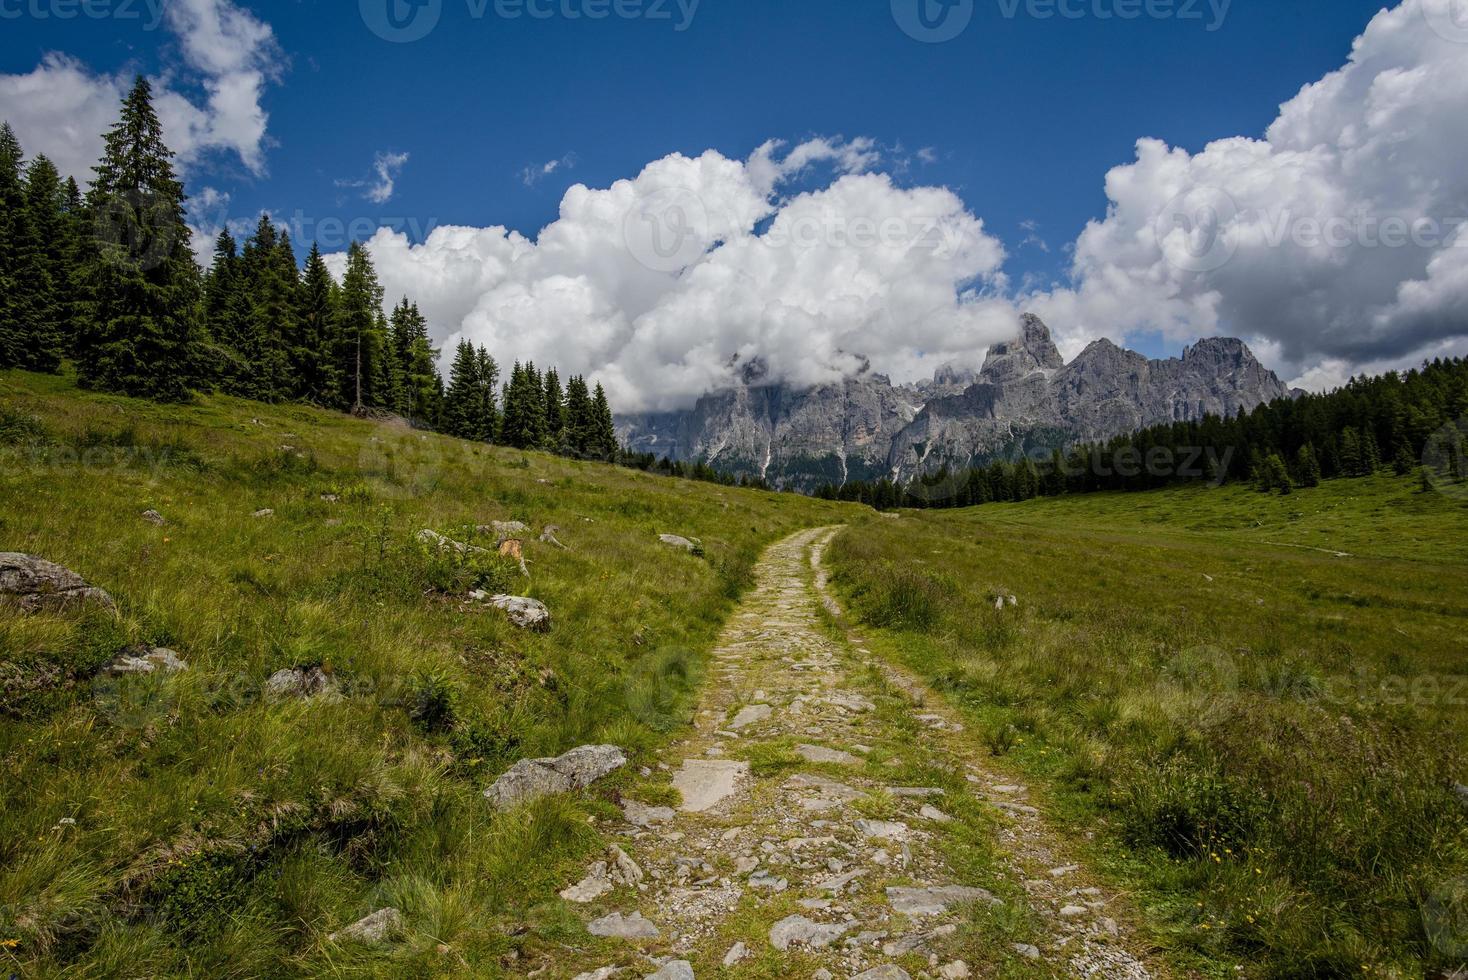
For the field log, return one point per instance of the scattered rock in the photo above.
(679, 542)
(548, 536)
(605, 973)
(642, 815)
(797, 930)
(330, 498)
(1026, 950)
(882, 829)
(934, 814)
(618, 926)
(1072, 912)
(737, 954)
(263, 512)
(528, 614)
(589, 889)
(1063, 871)
(675, 970)
(764, 881)
(751, 714)
(146, 662)
(436, 540)
(375, 928)
(37, 585)
(705, 783)
(1462, 793)
(821, 754)
(887, 971)
(154, 518)
(957, 970)
(502, 530)
(530, 779)
(936, 900)
(299, 682)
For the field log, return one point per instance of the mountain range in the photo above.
(1026, 397)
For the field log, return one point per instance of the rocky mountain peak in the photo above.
(1033, 350)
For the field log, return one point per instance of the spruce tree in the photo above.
(360, 352)
(1307, 467)
(604, 432)
(45, 259)
(1351, 457)
(74, 216)
(523, 425)
(578, 420)
(555, 412)
(139, 329)
(462, 402)
(488, 417)
(12, 234)
(317, 371)
(226, 314)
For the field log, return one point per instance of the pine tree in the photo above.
(1370, 452)
(74, 216)
(225, 314)
(488, 418)
(45, 266)
(1307, 467)
(139, 329)
(269, 284)
(1404, 462)
(604, 432)
(12, 234)
(361, 352)
(318, 372)
(578, 420)
(417, 385)
(523, 425)
(1351, 458)
(555, 412)
(462, 402)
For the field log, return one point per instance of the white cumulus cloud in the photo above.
(1334, 241)
(210, 104)
(804, 288)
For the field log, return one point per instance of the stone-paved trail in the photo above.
(835, 821)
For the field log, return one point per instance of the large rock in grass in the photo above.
(530, 779)
(374, 929)
(145, 661)
(299, 683)
(528, 614)
(37, 585)
(435, 540)
(678, 541)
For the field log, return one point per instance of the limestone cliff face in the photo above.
(1025, 396)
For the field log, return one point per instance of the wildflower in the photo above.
(9, 943)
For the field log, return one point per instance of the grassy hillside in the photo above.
(189, 825)
(1257, 704)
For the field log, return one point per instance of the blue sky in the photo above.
(1021, 115)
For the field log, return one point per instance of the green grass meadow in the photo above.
(1260, 737)
(186, 825)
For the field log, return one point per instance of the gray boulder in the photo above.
(372, 930)
(935, 901)
(531, 779)
(797, 930)
(618, 926)
(146, 662)
(37, 585)
(548, 536)
(435, 540)
(678, 541)
(154, 518)
(528, 614)
(674, 970)
(502, 531)
(299, 683)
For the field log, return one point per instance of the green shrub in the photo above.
(905, 598)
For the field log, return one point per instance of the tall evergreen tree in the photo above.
(1307, 467)
(462, 402)
(555, 411)
(523, 424)
(45, 256)
(13, 314)
(317, 369)
(139, 330)
(416, 386)
(489, 380)
(226, 314)
(579, 426)
(361, 352)
(604, 432)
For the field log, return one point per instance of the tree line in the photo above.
(1409, 422)
(106, 279)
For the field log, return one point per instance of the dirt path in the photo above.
(835, 822)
